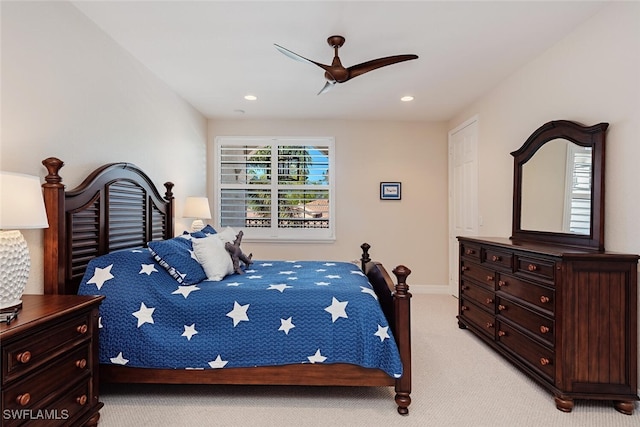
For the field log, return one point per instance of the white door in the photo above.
(463, 191)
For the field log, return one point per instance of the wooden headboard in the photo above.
(116, 207)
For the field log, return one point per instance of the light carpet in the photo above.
(457, 381)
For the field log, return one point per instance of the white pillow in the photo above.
(227, 235)
(214, 258)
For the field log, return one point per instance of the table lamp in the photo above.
(198, 208)
(21, 207)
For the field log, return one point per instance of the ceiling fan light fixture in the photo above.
(407, 98)
(250, 97)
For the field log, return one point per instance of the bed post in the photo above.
(402, 305)
(54, 244)
(168, 195)
(364, 259)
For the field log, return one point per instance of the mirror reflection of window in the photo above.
(556, 189)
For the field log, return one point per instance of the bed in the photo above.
(117, 209)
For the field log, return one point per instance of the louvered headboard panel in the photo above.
(116, 207)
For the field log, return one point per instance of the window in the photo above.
(578, 205)
(276, 188)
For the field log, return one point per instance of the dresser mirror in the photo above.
(558, 186)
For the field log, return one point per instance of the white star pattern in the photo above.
(218, 363)
(297, 266)
(329, 264)
(322, 283)
(369, 291)
(286, 325)
(287, 272)
(337, 309)
(332, 276)
(249, 271)
(317, 357)
(358, 272)
(189, 331)
(266, 264)
(144, 315)
(254, 277)
(292, 278)
(239, 313)
(119, 360)
(321, 270)
(185, 290)
(234, 284)
(281, 287)
(382, 332)
(148, 269)
(101, 275)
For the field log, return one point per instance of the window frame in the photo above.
(274, 233)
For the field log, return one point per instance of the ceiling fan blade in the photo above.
(365, 67)
(297, 57)
(327, 86)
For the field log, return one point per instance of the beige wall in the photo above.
(71, 92)
(592, 76)
(412, 231)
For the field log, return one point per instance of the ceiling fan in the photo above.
(336, 72)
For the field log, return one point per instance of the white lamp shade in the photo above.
(21, 202)
(197, 207)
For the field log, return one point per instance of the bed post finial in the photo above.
(168, 195)
(364, 259)
(53, 166)
(402, 303)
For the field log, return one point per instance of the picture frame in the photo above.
(390, 191)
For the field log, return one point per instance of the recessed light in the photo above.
(250, 97)
(406, 98)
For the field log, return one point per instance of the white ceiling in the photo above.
(212, 53)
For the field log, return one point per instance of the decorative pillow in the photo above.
(227, 235)
(213, 257)
(177, 257)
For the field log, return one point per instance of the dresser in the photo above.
(566, 317)
(50, 362)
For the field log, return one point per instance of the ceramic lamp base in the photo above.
(14, 268)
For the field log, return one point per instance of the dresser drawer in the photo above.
(539, 296)
(538, 357)
(479, 295)
(470, 251)
(539, 326)
(57, 413)
(26, 354)
(543, 269)
(498, 259)
(482, 320)
(481, 275)
(33, 391)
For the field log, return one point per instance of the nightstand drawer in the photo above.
(26, 354)
(33, 391)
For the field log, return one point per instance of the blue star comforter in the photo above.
(277, 313)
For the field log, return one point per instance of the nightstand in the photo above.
(50, 362)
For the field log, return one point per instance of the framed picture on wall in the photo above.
(390, 191)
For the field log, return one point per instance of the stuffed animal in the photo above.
(237, 255)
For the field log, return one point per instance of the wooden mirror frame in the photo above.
(586, 136)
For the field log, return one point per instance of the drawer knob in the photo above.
(464, 287)
(464, 308)
(502, 333)
(82, 363)
(24, 357)
(544, 329)
(544, 361)
(464, 268)
(470, 252)
(532, 267)
(544, 299)
(23, 399)
(502, 283)
(489, 300)
(502, 307)
(489, 325)
(490, 278)
(496, 258)
(81, 400)
(82, 329)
